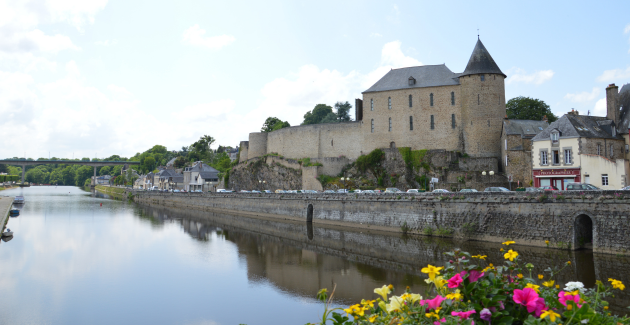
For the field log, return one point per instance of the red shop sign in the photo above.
(556, 172)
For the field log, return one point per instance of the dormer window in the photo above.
(555, 136)
(412, 81)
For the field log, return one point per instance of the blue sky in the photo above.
(96, 78)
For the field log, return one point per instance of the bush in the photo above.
(469, 290)
(371, 161)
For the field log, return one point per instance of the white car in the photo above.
(255, 191)
(368, 192)
(413, 190)
(221, 190)
(441, 190)
(392, 190)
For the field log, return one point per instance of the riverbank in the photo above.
(6, 202)
(115, 192)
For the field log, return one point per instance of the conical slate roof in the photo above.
(481, 62)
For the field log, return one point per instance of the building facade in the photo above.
(516, 149)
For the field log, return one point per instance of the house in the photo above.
(580, 148)
(170, 180)
(516, 148)
(200, 177)
(101, 180)
(232, 153)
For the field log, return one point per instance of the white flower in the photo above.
(572, 286)
(584, 321)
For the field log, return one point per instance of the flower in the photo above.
(432, 271)
(549, 313)
(575, 285)
(485, 314)
(548, 284)
(383, 291)
(510, 255)
(432, 314)
(463, 315)
(568, 262)
(520, 275)
(533, 286)
(501, 249)
(557, 286)
(373, 318)
(475, 275)
(395, 304)
(563, 297)
(540, 276)
(443, 320)
(526, 297)
(481, 257)
(455, 281)
(454, 296)
(440, 282)
(433, 303)
(356, 310)
(509, 242)
(547, 242)
(617, 284)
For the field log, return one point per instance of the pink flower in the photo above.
(526, 297)
(475, 275)
(443, 320)
(455, 281)
(540, 306)
(433, 303)
(565, 296)
(463, 314)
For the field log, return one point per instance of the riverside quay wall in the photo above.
(567, 220)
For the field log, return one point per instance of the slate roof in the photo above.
(524, 128)
(573, 126)
(205, 168)
(209, 175)
(481, 62)
(624, 105)
(425, 75)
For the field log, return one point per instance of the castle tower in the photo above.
(483, 104)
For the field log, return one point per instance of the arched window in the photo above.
(431, 99)
(372, 123)
(453, 121)
(410, 123)
(410, 101)
(390, 124)
(432, 123)
(452, 98)
(389, 103)
(371, 104)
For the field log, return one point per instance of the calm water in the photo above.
(73, 261)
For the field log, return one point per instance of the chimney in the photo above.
(544, 118)
(612, 106)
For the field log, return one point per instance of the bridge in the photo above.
(24, 163)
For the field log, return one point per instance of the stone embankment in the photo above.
(566, 220)
(6, 202)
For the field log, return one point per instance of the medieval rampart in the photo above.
(568, 221)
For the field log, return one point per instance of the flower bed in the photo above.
(467, 290)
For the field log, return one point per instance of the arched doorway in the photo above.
(583, 232)
(309, 213)
(392, 145)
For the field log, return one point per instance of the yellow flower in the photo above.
(509, 242)
(557, 286)
(414, 297)
(391, 287)
(569, 307)
(548, 284)
(605, 307)
(520, 275)
(481, 257)
(367, 302)
(488, 268)
(540, 276)
(552, 315)
(396, 304)
(372, 318)
(454, 296)
(568, 262)
(510, 255)
(617, 284)
(547, 242)
(432, 314)
(501, 249)
(533, 286)
(432, 271)
(383, 291)
(354, 309)
(572, 293)
(440, 282)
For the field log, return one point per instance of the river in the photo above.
(83, 258)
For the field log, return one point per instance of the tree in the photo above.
(83, 173)
(273, 124)
(317, 115)
(67, 175)
(525, 108)
(343, 111)
(179, 162)
(116, 170)
(149, 164)
(330, 118)
(105, 170)
(200, 150)
(56, 177)
(3, 168)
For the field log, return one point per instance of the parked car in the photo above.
(549, 188)
(627, 188)
(582, 187)
(468, 190)
(378, 191)
(255, 191)
(356, 191)
(279, 191)
(496, 189)
(369, 192)
(441, 190)
(221, 190)
(342, 191)
(267, 191)
(533, 189)
(392, 190)
(329, 191)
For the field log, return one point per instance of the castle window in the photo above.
(432, 123)
(372, 123)
(554, 137)
(478, 100)
(611, 151)
(389, 102)
(390, 124)
(410, 101)
(371, 104)
(412, 81)
(483, 77)
(431, 99)
(599, 150)
(410, 123)
(453, 121)
(452, 98)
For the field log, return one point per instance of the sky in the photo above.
(102, 77)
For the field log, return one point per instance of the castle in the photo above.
(423, 107)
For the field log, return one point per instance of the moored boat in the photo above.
(7, 233)
(14, 212)
(18, 200)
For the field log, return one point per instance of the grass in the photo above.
(113, 191)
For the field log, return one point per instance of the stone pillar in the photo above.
(23, 172)
(94, 179)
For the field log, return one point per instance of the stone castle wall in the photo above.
(257, 145)
(243, 150)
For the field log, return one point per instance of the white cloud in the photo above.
(583, 96)
(36, 41)
(75, 12)
(614, 75)
(600, 108)
(392, 55)
(195, 36)
(627, 29)
(516, 75)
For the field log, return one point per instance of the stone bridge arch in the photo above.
(309, 212)
(584, 231)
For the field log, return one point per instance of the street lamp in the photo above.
(345, 180)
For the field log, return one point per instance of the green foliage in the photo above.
(405, 228)
(380, 181)
(317, 115)
(180, 162)
(4, 168)
(306, 162)
(444, 231)
(428, 231)
(413, 158)
(371, 161)
(325, 179)
(83, 173)
(105, 170)
(525, 108)
(226, 178)
(469, 228)
(343, 111)
(223, 162)
(330, 118)
(273, 124)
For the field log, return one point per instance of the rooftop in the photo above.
(524, 128)
(481, 62)
(425, 75)
(584, 126)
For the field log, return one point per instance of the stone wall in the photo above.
(243, 151)
(589, 146)
(309, 178)
(480, 216)
(332, 165)
(257, 145)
